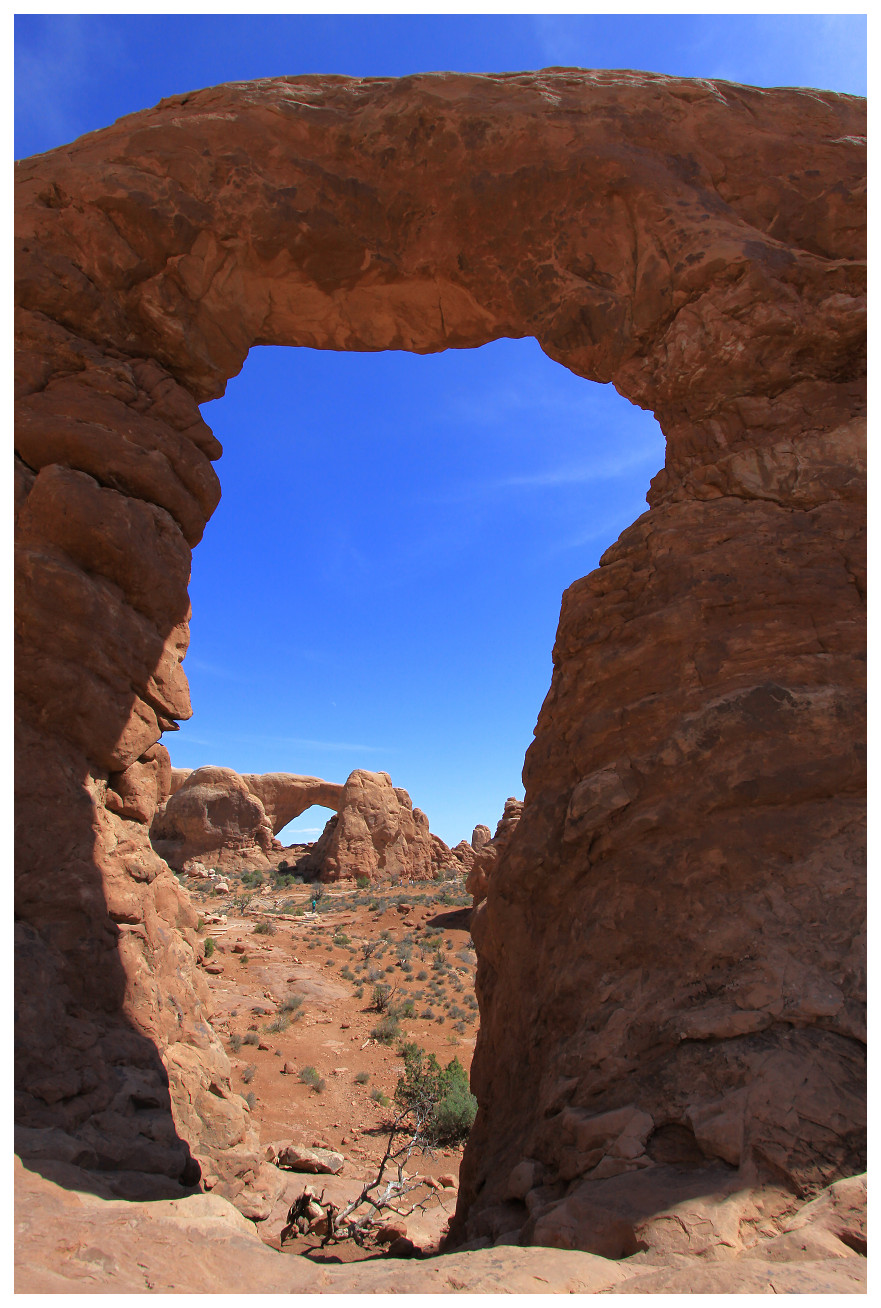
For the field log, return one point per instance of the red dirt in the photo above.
(331, 1030)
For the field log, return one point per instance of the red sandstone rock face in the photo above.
(675, 926)
(488, 851)
(216, 815)
(377, 832)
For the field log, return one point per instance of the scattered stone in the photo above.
(391, 1232)
(403, 1248)
(299, 1158)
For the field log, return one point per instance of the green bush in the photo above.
(341, 939)
(379, 1098)
(309, 1075)
(279, 1023)
(209, 946)
(361, 1078)
(266, 928)
(381, 996)
(362, 882)
(440, 1095)
(290, 1003)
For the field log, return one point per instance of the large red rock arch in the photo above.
(675, 925)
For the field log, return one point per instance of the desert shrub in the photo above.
(440, 1019)
(427, 1014)
(290, 1003)
(381, 997)
(309, 1075)
(299, 911)
(361, 1078)
(379, 1098)
(250, 1099)
(387, 1029)
(200, 925)
(460, 1027)
(248, 1073)
(390, 968)
(252, 878)
(422, 976)
(209, 946)
(347, 974)
(362, 882)
(406, 1009)
(279, 1023)
(359, 993)
(235, 1043)
(243, 958)
(340, 939)
(266, 928)
(440, 1096)
(374, 906)
(250, 1038)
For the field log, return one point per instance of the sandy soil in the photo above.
(293, 990)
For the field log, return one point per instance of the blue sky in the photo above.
(381, 583)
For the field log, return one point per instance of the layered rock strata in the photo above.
(674, 929)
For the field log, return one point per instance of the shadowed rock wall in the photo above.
(675, 925)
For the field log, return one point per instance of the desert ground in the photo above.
(294, 1003)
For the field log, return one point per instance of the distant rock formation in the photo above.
(285, 796)
(376, 833)
(488, 851)
(217, 816)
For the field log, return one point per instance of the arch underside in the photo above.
(676, 923)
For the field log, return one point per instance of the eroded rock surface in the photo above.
(70, 1241)
(488, 851)
(377, 832)
(215, 815)
(675, 925)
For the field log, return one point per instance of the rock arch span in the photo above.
(213, 812)
(674, 929)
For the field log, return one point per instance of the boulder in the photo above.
(299, 1158)
(212, 814)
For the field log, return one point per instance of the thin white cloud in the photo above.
(338, 745)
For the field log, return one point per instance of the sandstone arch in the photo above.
(676, 923)
(214, 813)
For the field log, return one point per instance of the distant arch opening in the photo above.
(380, 585)
(305, 829)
